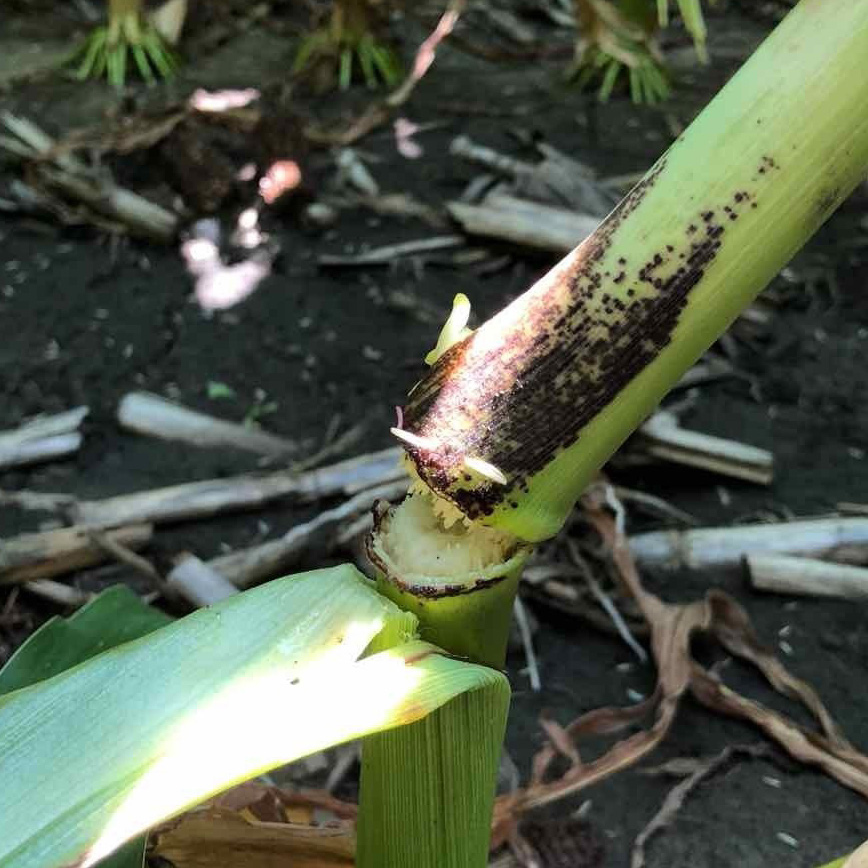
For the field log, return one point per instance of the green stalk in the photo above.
(127, 37)
(513, 421)
(465, 608)
(427, 789)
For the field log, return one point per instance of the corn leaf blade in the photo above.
(95, 755)
(116, 616)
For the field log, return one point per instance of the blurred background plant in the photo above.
(617, 39)
(349, 41)
(132, 38)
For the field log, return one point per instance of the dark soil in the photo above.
(85, 319)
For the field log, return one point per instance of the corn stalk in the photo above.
(513, 420)
(429, 786)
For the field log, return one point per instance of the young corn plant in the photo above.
(349, 44)
(502, 435)
(617, 38)
(127, 40)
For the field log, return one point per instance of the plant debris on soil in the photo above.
(215, 292)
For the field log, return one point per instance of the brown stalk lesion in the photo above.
(522, 388)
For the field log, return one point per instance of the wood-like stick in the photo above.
(152, 415)
(54, 552)
(726, 546)
(525, 223)
(784, 574)
(215, 496)
(662, 437)
(42, 439)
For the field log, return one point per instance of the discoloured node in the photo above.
(522, 387)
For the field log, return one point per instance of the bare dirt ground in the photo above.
(85, 319)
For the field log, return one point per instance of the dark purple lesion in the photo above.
(504, 406)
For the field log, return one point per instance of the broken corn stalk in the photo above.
(512, 422)
(454, 580)
(428, 788)
(459, 583)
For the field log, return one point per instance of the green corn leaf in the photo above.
(311, 44)
(100, 65)
(92, 49)
(160, 56)
(121, 60)
(453, 754)
(609, 79)
(142, 64)
(388, 64)
(95, 755)
(691, 12)
(130, 855)
(857, 859)
(116, 616)
(636, 91)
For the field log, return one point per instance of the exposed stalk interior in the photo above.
(417, 544)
